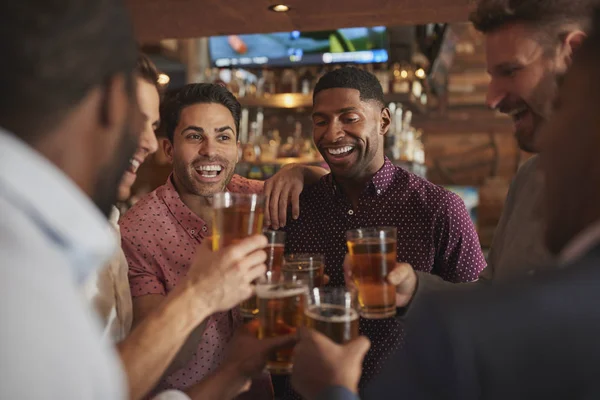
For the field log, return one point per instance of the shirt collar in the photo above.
(191, 222)
(56, 205)
(582, 244)
(380, 182)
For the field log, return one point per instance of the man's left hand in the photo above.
(280, 190)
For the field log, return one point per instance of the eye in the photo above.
(193, 136)
(224, 137)
(350, 118)
(509, 72)
(320, 122)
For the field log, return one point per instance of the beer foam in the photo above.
(276, 291)
(348, 314)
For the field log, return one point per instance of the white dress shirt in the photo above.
(51, 238)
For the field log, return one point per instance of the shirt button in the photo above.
(378, 191)
(204, 229)
(192, 231)
(350, 212)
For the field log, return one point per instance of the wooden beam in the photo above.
(161, 19)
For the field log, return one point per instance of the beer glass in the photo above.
(309, 268)
(275, 248)
(373, 256)
(333, 312)
(281, 311)
(235, 217)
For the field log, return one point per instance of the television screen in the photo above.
(281, 49)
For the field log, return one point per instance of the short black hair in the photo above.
(197, 93)
(54, 52)
(352, 78)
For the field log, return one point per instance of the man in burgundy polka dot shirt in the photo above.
(161, 232)
(435, 233)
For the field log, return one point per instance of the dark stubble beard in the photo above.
(110, 176)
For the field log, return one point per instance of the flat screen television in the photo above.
(284, 49)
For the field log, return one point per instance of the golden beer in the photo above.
(373, 256)
(232, 224)
(281, 310)
(337, 322)
(309, 268)
(235, 217)
(249, 308)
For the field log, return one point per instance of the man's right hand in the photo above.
(223, 279)
(320, 363)
(403, 276)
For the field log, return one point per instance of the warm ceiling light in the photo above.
(420, 73)
(280, 8)
(163, 79)
(404, 74)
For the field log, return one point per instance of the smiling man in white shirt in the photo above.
(69, 125)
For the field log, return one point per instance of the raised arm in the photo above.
(216, 282)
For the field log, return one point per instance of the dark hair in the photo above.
(552, 18)
(145, 69)
(197, 93)
(352, 78)
(54, 52)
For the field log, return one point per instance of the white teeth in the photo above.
(209, 168)
(208, 174)
(516, 111)
(135, 164)
(340, 150)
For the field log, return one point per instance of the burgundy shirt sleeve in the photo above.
(240, 184)
(458, 253)
(145, 274)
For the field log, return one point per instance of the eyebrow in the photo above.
(201, 130)
(340, 111)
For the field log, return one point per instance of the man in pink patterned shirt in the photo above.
(161, 232)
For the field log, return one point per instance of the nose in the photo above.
(207, 148)
(495, 95)
(334, 132)
(148, 141)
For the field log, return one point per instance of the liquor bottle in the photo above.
(289, 81)
(383, 77)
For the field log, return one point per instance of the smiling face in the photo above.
(204, 151)
(523, 81)
(349, 132)
(148, 102)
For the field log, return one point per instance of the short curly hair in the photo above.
(552, 18)
(352, 78)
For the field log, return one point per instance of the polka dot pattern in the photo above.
(159, 237)
(435, 234)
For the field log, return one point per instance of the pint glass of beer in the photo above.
(373, 256)
(333, 312)
(309, 268)
(275, 253)
(281, 310)
(235, 217)
(275, 248)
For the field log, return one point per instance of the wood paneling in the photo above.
(160, 19)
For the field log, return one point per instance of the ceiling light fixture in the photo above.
(420, 73)
(279, 8)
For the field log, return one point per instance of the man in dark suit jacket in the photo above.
(533, 339)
